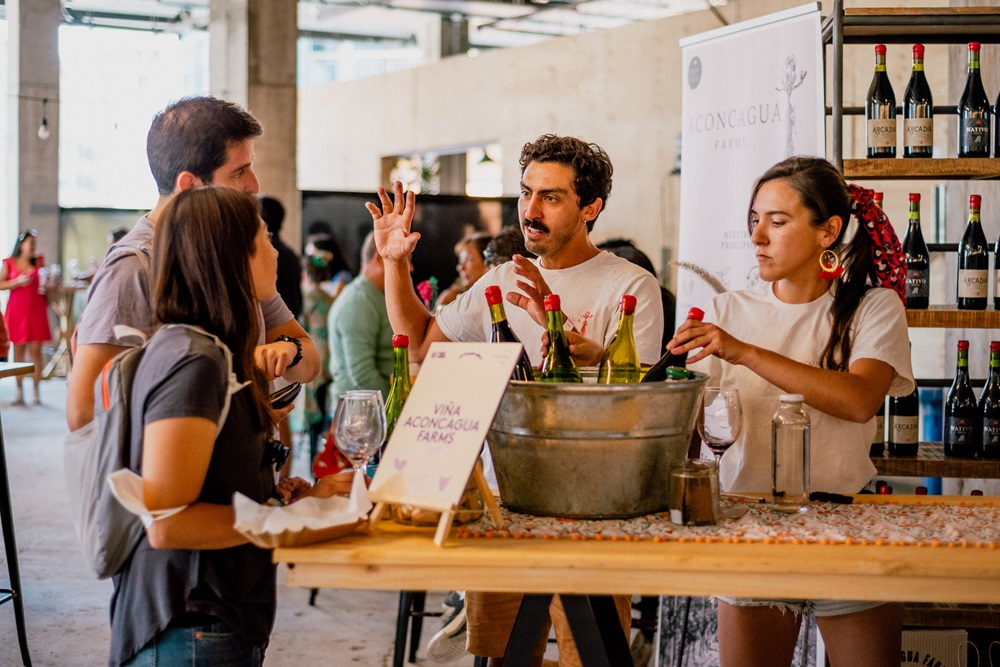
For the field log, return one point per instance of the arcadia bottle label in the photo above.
(973, 283)
(904, 430)
(918, 131)
(882, 132)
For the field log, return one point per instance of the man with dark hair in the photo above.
(289, 264)
(193, 142)
(565, 183)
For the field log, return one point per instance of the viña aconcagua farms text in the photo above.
(442, 426)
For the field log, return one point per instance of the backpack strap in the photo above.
(144, 259)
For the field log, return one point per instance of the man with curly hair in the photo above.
(565, 184)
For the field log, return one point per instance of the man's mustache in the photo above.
(536, 225)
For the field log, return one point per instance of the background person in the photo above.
(193, 591)
(565, 184)
(317, 269)
(361, 355)
(501, 249)
(27, 315)
(471, 266)
(193, 142)
(840, 342)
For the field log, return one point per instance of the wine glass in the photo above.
(359, 426)
(720, 420)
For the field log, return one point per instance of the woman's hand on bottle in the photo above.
(534, 287)
(393, 238)
(712, 340)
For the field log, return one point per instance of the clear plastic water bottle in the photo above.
(790, 455)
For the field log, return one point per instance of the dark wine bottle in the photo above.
(918, 111)
(974, 112)
(918, 260)
(989, 407)
(961, 412)
(558, 365)
(880, 111)
(878, 440)
(904, 424)
(502, 333)
(973, 261)
(658, 371)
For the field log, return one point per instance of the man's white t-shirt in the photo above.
(840, 462)
(589, 294)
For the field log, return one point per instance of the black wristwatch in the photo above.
(298, 348)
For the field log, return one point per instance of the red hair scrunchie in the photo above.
(887, 253)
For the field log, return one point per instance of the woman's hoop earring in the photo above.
(829, 265)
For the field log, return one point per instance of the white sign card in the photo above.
(752, 96)
(444, 422)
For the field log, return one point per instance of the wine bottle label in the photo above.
(918, 132)
(996, 283)
(974, 134)
(903, 430)
(973, 283)
(917, 285)
(882, 132)
(958, 430)
(991, 433)
(879, 430)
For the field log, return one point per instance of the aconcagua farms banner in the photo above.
(753, 95)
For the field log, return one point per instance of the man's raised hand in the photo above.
(393, 238)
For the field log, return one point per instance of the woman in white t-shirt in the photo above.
(822, 325)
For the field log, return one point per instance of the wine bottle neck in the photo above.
(497, 314)
(879, 62)
(973, 63)
(625, 325)
(974, 216)
(914, 212)
(963, 361)
(554, 323)
(994, 360)
(401, 366)
(918, 64)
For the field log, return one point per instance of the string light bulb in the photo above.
(43, 128)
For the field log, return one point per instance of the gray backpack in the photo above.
(108, 532)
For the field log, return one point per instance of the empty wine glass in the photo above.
(720, 420)
(359, 426)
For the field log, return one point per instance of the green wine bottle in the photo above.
(399, 390)
(620, 363)
(558, 365)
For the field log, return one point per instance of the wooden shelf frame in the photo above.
(950, 317)
(930, 461)
(922, 168)
(930, 25)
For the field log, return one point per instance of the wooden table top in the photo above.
(396, 557)
(10, 369)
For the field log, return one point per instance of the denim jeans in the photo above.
(213, 645)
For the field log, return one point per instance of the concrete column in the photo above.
(33, 176)
(253, 63)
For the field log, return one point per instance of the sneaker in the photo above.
(448, 644)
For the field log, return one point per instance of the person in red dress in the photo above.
(27, 315)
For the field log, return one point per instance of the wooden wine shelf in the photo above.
(923, 168)
(930, 461)
(949, 317)
(930, 25)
